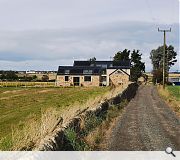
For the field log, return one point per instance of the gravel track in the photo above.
(147, 124)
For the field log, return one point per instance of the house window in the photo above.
(104, 65)
(66, 78)
(103, 78)
(87, 71)
(92, 65)
(87, 78)
(104, 71)
(66, 71)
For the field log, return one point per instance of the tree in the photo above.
(2, 76)
(34, 78)
(93, 59)
(137, 67)
(156, 56)
(8, 75)
(45, 78)
(157, 76)
(120, 56)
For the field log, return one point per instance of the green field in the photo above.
(18, 104)
(174, 91)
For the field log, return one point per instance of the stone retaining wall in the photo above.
(57, 140)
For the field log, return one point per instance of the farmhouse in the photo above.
(94, 73)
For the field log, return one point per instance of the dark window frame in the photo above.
(66, 78)
(86, 78)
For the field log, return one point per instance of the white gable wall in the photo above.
(127, 71)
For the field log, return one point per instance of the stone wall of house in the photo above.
(94, 81)
(115, 78)
(119, 79)
(61, 81)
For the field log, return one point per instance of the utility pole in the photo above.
(164, 55)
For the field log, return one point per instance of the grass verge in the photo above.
(95, 131)
(171, 95)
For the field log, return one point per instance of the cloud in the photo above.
(46, 33)
(53, 14)
(101, 41)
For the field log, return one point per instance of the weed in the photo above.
(75, 141)
(96, 137)
(5, 143)
(91, 122)
(112, 113)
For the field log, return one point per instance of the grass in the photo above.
(27, 84)
(172, 97)
(19, 106)
(94, 131)
(98, 138)
(174, 91)
(75, 141)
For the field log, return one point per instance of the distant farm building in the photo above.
(94, 73)
(174, 78)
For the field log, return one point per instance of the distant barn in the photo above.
(174, 78)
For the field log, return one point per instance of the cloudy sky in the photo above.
(42, 34)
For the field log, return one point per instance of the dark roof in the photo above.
(119, 67)
(82, 63)
(104, 64)
(79, 70)
(92, 67)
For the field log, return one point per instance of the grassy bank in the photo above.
(174, 91)
(171, 95)
(96, 129)
(24, 110)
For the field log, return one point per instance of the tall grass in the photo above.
(97, 138)
(171, 96)
(26, 134)
(94, 130)
(27, 84)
